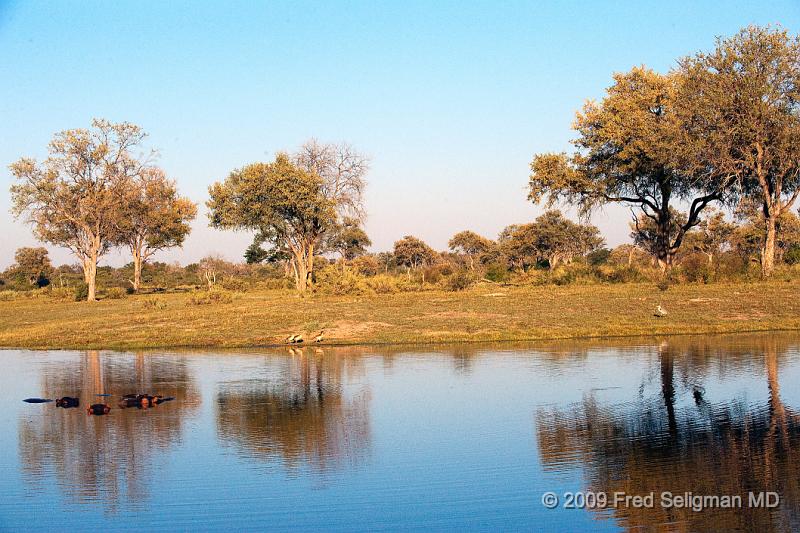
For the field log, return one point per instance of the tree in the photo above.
(211, 267)
(348, 239)
(343, 171)
(284, 203)
(627, 152)
(33, 265)
(711, 235)
(551, 238)
(560, 240)
(75, 197)
(412, 253)
(748, 238)
(155, 218)
(743, 102)
(470, 244)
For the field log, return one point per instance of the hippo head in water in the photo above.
(67, 402)
(98, 409)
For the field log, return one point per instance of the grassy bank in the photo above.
(480, 314)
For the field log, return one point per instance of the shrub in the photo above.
(334, 281)
(695, 267)
(496, 272)
(459, 281)
(383, 284)
(618, 273)
(214, 296)
(155, 303)
(81, 292)
(115, 293)
(366, 265)
(235, 284)
(61, 293)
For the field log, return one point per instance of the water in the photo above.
(446, 438)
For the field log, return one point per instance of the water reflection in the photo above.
(300, 413)
(681, 438)
(110, 458)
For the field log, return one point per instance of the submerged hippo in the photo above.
(98, 409)
(68, 402)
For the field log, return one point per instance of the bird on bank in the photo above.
(319, 337)
(295, 339)
(660, 312)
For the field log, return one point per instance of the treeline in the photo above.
(550, 250)
(719, 133)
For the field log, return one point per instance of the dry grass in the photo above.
(480, 314)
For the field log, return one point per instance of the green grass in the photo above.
(485, 313)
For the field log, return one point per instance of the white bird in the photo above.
(319, 337)
(660, 311)
(291, 339)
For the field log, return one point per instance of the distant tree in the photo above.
(711, 236)
(748, 238)
(627, 152)
(76, 197)
(212, 267)
(413, 253)
(471, 245)
(155, 218)
(285, 204)
(32, 265)
(348, 239)
(743, 126)
(366, 265)
(551, 237)
(560, 240)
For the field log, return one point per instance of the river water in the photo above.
(468, 437)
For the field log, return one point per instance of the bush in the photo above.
(696, 268)
(619, 273)
(496, 272)
(459, 281)
(81, 292)
(154, 303)
(366, 265)
(334, 281)
(383, 284)
(235, 284)
(214, 296)
(61, 293)
(115, 293)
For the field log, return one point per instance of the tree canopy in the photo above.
(285, 204)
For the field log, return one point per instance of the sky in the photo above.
(450, 100)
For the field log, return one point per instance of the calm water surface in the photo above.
(448, 438)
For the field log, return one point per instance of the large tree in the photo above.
(76, 197)
(285, 204)
(155, 218)
(626, 153)
(743, 121)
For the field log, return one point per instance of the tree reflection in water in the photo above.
(681, 439)
(302, 415)
(110, 458)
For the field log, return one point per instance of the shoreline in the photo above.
(263, 319)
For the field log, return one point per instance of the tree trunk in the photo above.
(768, 250)
(90, 276)
(137, 271)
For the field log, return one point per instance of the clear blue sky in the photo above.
(450, 100)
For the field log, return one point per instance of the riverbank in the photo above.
(485, 313)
